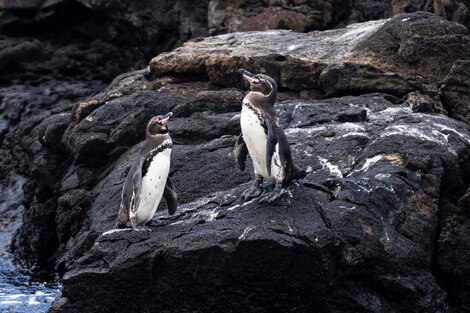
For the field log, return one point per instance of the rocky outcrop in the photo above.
(373, 228)
(79, 39)
(35, 118)
(302, 15)
(94, 40)
(368, 230)
(28, 61)
(396, 56)
(455, 91)
(155, 26)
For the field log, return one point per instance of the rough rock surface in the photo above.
(397, 56)
(36, 61)
(373, 230)
(303, 15)
(455, 91)
(74, 38)
(154, 26)
(94, 40)
(376, 226)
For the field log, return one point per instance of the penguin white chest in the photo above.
(153, 186)
(255, 139)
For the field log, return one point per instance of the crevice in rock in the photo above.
(451, 217)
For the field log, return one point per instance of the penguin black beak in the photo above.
(245, 72)
(166, 117)
(248, 76)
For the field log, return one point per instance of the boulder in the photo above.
(358, 232)
(368, 229)
(396, 56)
(301, 15)
(455, 92)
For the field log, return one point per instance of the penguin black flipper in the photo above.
(285, 154)
(130, 196)
(240, 151)
(291, 171)
(137, 187)
(171, 197)
(271, 142)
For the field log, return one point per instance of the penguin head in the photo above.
(259, 82)
(157, 125)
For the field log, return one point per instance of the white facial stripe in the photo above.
(260, 93)
(271, 85)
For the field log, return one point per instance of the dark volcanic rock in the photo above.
(375, 229)
(36, 118)
(154, 26)
(74, 157)
(196, 170)
(455, 91)
(11, 209)
(302, 15)
(370, 229)
(366, 57)
(94, 40)
(35, 61)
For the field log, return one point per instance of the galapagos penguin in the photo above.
(263, 139)
(148, 180)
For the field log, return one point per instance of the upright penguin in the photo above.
(148, 180)
(263, 139)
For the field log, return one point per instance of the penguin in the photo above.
(148, 180)
(263, 139)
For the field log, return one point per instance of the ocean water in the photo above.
(18, 294)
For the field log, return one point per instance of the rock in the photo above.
(376, 225)
(455, 91)
(37, 61)
(37, 117)
(456, 11)
(144, 24)
(28, 4)
(209, 165)
(419, 102)
(365, 57)
(367, 230)
(104, 118)
(94, 40)
(24, 107)
(15, 51)
(119, 35)
(232, 16)
(96, 133)
(11, 207)
(453, 256)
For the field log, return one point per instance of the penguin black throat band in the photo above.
(153, 153)
(258, 115)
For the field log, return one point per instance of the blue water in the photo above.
(18, 294)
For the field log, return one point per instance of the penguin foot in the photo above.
(273, 195)
(142, 228)
(252, 192)
(157, 223)
(270, 197)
